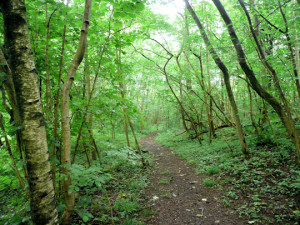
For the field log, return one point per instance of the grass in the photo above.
(209, 183)
(164, 181)
(166, 172)
(269, 177)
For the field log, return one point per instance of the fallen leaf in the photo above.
(199, 215)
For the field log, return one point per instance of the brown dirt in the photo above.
(177, 195)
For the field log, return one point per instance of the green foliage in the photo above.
(209, 183)
(126, 27)
(213, 170)
(125, 206)
(88, 179)
(163, 181)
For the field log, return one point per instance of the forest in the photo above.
(149, 112)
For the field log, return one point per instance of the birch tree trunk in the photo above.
(66, 133)
(33, 132)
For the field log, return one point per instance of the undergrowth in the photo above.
(108, 194)
(264, 187)
(117, 195)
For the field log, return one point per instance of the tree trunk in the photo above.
(181, 95)
(65, 120)
(88, 97)
(296, 41)
(56, 104)
(290, 47)
(47, 66)
(122, 88)
(15, 168)
(225, 72)
(33, 132)
(282, 111)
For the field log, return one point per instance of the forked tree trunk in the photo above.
(33, 132)
(225, 72)
(65, 120)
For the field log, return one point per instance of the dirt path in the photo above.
(176, 193)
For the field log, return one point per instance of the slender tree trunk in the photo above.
(211, 119)
(290, 47)
(56, 105)
(296, 40)
(10, 89)
(86, 112)
(251, 112)
(122, 88)
(15, 168)
(282, 110)
(193, 125)
(181, 95)
(143, 112)
(225, 72)
(33, 132)
(136, 141)
(88, 97)
(66, 132)
(205, 100)
(98, 152)
(47, 65)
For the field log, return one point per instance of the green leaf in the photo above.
(85, 219)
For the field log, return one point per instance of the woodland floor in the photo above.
(176, 194)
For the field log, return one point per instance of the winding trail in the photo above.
(176, 194)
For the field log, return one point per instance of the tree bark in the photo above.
(66, 132)
(33, 132)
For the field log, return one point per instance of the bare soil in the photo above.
(176, 194)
